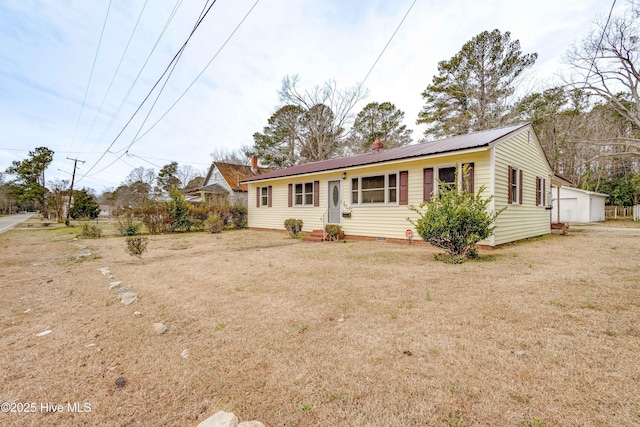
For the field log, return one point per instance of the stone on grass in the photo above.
(253, 423)
(128, 297)
(137, 313)
(104, 271)
(185, 353)
(43, 333)
(115, 284)
(160, 328)
(220, 419)
(123, 290)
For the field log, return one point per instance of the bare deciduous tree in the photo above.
(328, 115)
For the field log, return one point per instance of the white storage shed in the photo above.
(578, 205)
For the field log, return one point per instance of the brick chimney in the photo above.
(254, 164)
(377, 146)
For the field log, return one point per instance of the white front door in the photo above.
(334, 202)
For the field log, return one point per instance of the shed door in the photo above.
(334, 202)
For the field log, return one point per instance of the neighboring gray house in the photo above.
(224, 179)
(578, 205)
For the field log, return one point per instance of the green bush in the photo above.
(91, 231)
(456, 221)
(127, 225)
(239, 215)
(214, 224)
(294, 226)
(333, 231)
(179, 211)
(136, 245)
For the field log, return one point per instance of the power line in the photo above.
(388, 42)
(175, 58)
(95, 59)
(126, 97)
(198, 76)
(115, 73)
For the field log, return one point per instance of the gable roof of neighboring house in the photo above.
(457, 143)
(233, 175)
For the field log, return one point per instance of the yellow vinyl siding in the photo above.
(520, 221)
(387, 221)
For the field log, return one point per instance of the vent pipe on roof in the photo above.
(377, 146)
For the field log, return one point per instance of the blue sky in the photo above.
(47, 50)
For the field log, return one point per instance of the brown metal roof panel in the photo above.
(457, 143)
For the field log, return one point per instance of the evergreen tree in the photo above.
(472, 90)
(84, 205)
(381, 121)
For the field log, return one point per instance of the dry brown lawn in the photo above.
(543, 332)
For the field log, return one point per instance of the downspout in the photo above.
(558, 197)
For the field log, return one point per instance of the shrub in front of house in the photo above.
(155, 216)
(455, 221)
(214, 223)
(179, 211)
(333, 231)
(239, 215)
(293, 226)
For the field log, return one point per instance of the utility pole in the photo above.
(73, 177)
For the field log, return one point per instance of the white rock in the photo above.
(115, 284)
(137, 313)
(160, 328)
(128, 298)
(43, 333)
(220, 419)
(185, 353)
(27, 310)
(253, 423)
(104, 271)
(341, 318)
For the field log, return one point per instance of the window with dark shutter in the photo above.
(269, 191)
(257, 197)
(538, 191)
(544, 192)
(468, 178)
(427, 184)
(316, 193)
(404, 188)
(290, 199)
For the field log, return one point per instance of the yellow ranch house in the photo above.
(369, 194)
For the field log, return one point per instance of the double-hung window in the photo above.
(540, 194)
(376, 189)
(514, 190)
(303, 194)
(447, 178)
(263, 196)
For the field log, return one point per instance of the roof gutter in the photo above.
(386, 162)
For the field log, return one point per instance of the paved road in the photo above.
(10, 221)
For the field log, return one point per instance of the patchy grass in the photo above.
(291, 333)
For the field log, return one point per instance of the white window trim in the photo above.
(542, 182)
(386, 189)
(264, 197)
(303, 205)
(517, 200)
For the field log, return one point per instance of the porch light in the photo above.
(344, 175)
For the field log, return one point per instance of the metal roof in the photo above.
(456, 143)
